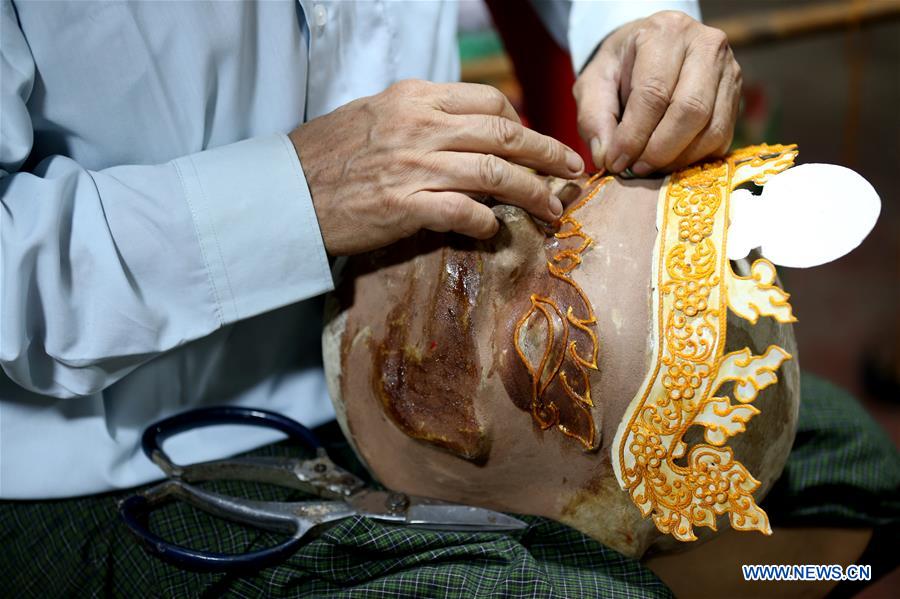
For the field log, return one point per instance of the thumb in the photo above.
(597, 97)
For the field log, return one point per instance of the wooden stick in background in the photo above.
(748, 29)
(781, 24)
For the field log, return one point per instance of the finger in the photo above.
(690, 111)
(597, 97)
(472, 98)
(656, 67)
(518, 144)
(452, 211)
(490, 174)
(715, 139)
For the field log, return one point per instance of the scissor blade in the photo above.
(437, 516)
(422, 512)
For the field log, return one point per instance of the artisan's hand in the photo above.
(661, 92)
(381, 168)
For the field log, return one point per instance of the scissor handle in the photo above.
(295, 519)
(135, 508)
(155, 434)
(134, 511)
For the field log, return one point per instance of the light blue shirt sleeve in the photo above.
(103, 270)
(580, 25)
(139, 235)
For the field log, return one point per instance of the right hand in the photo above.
(383, 167)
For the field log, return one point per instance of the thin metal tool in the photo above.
(340, 494)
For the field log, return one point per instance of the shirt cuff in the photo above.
(591, 22)
(256, 225)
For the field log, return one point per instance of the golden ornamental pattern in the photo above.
(558, 367)
(679, 486)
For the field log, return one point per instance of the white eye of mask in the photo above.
(806, 216)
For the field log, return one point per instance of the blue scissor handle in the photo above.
(134, 511)
(155, 434)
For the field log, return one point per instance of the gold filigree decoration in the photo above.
(558, 366)
(679, 486)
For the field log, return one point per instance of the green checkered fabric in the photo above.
(843, 470)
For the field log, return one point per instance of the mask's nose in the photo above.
(518, 246)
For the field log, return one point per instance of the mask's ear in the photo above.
(805, 216)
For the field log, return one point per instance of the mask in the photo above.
(630, 371)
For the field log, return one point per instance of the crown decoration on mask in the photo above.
(556, 339)
(684, 486)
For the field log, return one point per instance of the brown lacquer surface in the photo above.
(428, 384)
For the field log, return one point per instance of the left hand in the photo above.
(661, 92)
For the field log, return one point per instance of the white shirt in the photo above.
(158, 244)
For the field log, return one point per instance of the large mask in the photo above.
(630, 371)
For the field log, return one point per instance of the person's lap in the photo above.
(843, 472)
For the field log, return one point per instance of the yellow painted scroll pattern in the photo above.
(559, 353)
(680, 486)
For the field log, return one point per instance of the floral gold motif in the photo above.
(559, 368)
(680, 486)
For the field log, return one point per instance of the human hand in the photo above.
(383, 167)
(661, 92)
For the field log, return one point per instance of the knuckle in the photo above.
(408, 221)
(408, 87)
(631, 143)
(737, 74)
(552, 151)
(671, 18)
(497, 96)
(655, 156)
(726, 144)
(719, 131)
(538, 192)
(406, 162)
(714, 147)
(416, 85)
(587, 123)
(578, 88)
(654, 94)
(716, 38)
(494, 98)
(420, 121)
(401, 169)
(693, 107)
(398, 88)
(421, 166)
(492, 171)
(393, 208)
(506, 133)
(391, 172)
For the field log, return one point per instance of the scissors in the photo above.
(340, 494)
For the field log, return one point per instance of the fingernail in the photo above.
(598, 153)
(641, 168)
(569, 193)
(574, 162)
(556, 207)
(621, 162)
